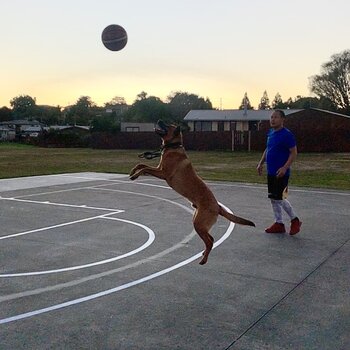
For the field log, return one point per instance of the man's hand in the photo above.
(260, 165)
(281, 172)
(259, 168)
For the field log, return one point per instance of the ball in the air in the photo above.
(114, 37)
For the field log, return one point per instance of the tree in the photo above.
(82, 112)
(49, 115)
(264, 101)
(5, 114)
(301, 102)
(23, 107)
(84, 103)
(289, 103)
(142, 95)
(147, 109)
(104, 124)
(326, 103)
(334, 81)
(116, 100)
(180, 103)
(245, 104)
(117, 106)
(277, 102)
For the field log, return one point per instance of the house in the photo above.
(316, 130)
(6, 133)
(136, 127)
(68, 129)
(24, 128)
(229, 119)
(118, 109)
(32, 131)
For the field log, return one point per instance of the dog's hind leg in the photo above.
(203, 222)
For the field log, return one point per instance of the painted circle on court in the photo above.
(131, 283)
(151, 237)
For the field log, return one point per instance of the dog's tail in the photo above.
(236, 219)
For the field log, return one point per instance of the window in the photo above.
(206, 126)
(197, 126)
(132, 129)
(202, 126)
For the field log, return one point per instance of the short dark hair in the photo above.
(281, 113)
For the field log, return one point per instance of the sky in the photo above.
(52, 50)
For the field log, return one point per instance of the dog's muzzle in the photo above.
(161, 128)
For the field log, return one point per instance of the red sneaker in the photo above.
(295, 225)
(276, 228)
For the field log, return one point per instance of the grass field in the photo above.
(311, 170)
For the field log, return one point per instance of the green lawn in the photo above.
(311, 170)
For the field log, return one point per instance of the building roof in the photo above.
(233, 114)
(329, 112)
(22, 122)
(242, 115)
(65, 127)
(36, 128)
(137, 124)
(5, 128)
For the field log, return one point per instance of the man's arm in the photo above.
(292, 155)
(261, 163)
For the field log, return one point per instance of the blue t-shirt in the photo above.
(277, 151)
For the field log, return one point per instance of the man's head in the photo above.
(277, 119)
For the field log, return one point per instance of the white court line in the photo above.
(57, 191)
(56, 226)
(253, 186)
(83, 206)
(82, 220)
(89, 278)
(124, 286)
(114, 182)
(98, 176)
(145, 195)
(322, 192)
(119, 288)
(107, 273)
(151, 237)
(330, 192)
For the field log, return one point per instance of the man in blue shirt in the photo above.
(279, 155)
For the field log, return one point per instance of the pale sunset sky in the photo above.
(52, 50)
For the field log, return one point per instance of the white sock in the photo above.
(288, 209)
(277, 210)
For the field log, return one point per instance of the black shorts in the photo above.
(277, 187)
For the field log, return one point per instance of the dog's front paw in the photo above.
(135, 174)
(136, 168)
(133, 171)
(133, 177)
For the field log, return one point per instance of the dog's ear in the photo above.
(177, 131)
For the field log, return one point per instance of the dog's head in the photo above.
(169, 133)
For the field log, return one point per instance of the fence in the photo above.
(317, 140)
(200, 141)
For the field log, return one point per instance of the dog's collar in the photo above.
(158, 153)
(173, 145)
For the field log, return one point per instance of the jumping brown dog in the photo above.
(176, 169)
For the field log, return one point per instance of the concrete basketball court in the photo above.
(95, 261)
